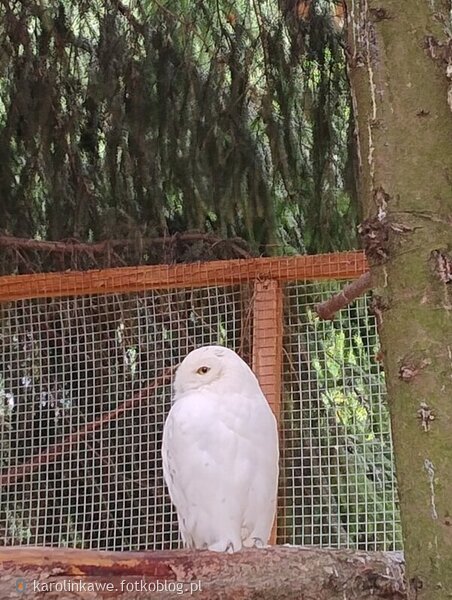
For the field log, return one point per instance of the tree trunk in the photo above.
(398, 54)
(277, 573)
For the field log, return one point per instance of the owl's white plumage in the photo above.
(220, 453)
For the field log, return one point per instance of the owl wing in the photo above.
(220, 462)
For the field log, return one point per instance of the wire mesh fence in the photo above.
(338, 487)
(85, 386)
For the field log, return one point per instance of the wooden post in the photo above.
(267, 347)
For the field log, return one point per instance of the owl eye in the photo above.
(203, 370)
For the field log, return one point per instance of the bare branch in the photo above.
(327, 310)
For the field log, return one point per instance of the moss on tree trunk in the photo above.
(397, 66)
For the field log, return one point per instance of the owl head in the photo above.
(211, 367)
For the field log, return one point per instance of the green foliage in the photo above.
(142, 118)
(6, 411)
(16, 526)
(341, 421)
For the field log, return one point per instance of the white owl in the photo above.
(220, 453)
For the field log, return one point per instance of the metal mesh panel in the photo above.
(337, 485)
(85, 389)
(72, 362)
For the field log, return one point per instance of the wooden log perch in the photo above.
(327, 310)
(276, 573)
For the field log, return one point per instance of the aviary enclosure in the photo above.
(86, 361)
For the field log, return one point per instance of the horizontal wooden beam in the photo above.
(276, 573)
(344, 265)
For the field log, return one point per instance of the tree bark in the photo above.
(277, 573)
(398, 56)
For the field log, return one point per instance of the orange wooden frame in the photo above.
(346, 265)
(268, 347)
(268, 275)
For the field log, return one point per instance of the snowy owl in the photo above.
(220, 453)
